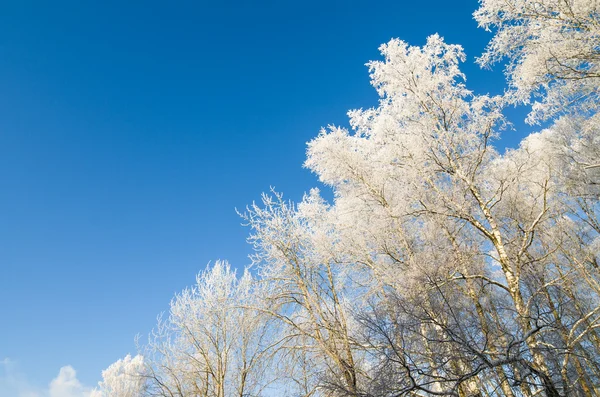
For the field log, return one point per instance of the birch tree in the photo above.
(308, 291)
(216, 341)
(419, 175)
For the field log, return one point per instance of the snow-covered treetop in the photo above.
(552, 50)
(123, 378)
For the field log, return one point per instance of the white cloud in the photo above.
(13, 383)
(66, 384)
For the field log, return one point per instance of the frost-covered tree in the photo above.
(124, 378)
(217, 340)
(470, 242)
(309, 294)
(553, 52)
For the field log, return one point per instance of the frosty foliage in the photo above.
(418, 151)
(124, 378)
(553, 52)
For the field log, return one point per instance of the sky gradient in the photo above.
(130, 132)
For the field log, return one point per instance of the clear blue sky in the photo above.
(131, 130)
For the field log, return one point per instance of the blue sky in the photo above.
(130, 131)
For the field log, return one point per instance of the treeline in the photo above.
(442, 267)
